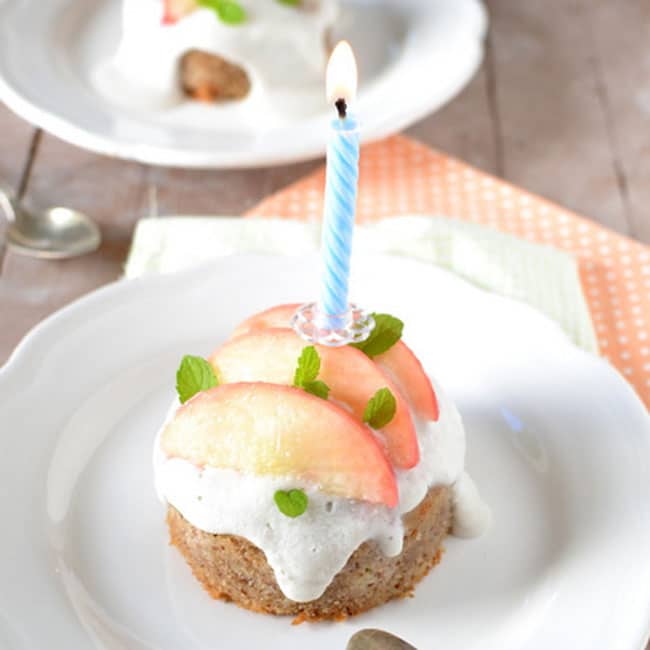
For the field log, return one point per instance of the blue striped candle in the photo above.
(338, 220)
(332, 320)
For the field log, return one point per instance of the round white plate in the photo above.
(558, 444)
(414, 55)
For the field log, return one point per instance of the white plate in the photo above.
(414, 56)
(558, 443)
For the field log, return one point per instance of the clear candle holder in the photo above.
(311, 324)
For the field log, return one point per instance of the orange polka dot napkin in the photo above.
(399, 176)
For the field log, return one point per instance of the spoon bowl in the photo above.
(54, 233)
(377, 640)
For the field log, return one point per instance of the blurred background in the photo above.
(559, 105)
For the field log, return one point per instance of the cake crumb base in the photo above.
(232, 569)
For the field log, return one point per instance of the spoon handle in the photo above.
(6, 203)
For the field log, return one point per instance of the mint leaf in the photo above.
(308, 367)
(291, 3)
(229, 11)
(194, 375)
(292, 503)
(307, 371)
(388, 330)
(318, 388)
(210, 4)
(380, 409)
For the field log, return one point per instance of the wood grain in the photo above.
(466, 126)
(201, 192)
(554, 127)
(620, 33)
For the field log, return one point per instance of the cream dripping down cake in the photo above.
(219, 50)
(312, 481)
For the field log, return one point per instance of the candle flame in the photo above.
(342, 74)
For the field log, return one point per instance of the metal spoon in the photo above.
(377, 640)
(54, 233)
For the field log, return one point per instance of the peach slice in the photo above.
(406, 370)
(174, 10)
(266, 429)
(278, 316)
(400, 361)
(271, 355)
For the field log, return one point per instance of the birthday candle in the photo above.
(333, 321)
(341, 188)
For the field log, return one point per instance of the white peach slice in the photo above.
(267, 429)
(278, 316)
(406, 370)
(271, 355)
(174, 10)
(400, 361)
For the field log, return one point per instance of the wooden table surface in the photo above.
(561, 107)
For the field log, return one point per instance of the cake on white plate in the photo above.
(312, 481)
(218, 50)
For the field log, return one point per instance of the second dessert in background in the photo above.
(219, 50)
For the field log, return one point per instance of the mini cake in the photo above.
(312, 481)
(216, 50)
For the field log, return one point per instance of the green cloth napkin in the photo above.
(543, 277)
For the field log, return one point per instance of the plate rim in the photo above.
(93, 141)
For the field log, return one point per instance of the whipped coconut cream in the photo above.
(282, 49)
(472, 517)
(307, 552)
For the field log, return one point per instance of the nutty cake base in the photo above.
(233, 569)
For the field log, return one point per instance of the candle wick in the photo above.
(341, 107)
